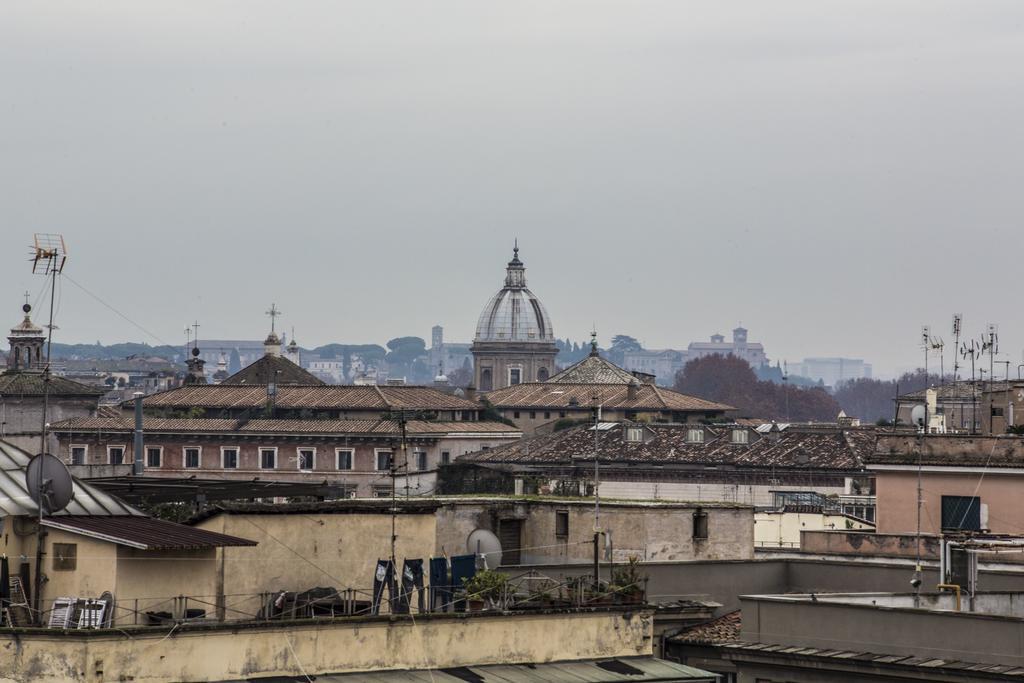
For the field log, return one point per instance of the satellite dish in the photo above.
(917, 416)
(49, 483)
(484, 542)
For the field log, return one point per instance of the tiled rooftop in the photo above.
(562, 395)
(335, 397)
(724, 629)
(204, 425)
(835, 449)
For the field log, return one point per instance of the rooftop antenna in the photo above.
(785, 385)
(957, 322)
(972, 350)
(990, 345)
(48, 259)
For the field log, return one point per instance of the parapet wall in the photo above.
(309, 648)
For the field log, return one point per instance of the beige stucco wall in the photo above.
(651, 532)
(301, 551)
(154, 578)
(782, 529)
(897, 499)
(305, 648)
(95, 572)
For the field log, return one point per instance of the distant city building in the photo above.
(447, 355)
(831, 371)
(514, 340)
(752, 352)
(664, 364)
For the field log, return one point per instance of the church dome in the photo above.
(514, 313)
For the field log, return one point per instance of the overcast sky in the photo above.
(832, 174)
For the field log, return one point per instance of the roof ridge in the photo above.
(387, 403)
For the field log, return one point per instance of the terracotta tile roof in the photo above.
(145, 533)
(281, 370)
(835, 449)
(964, 390)
(559, 395)
(724, 629)
(336, 397)
(31, 384)
(594, 370)
(155, 425)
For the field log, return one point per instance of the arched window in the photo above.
(542, 375)
(486, 383)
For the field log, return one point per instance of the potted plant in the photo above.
(627, 582)
(485, 589)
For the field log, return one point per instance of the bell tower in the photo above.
(27, 340)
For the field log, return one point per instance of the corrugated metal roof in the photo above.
(85, 501)
(338, 397)
(145, 533)
(203, 425)
(640, 669)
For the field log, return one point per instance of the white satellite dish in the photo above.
(917, 415)
(484, 542)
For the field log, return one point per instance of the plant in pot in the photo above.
(486, 589)
(627, 582)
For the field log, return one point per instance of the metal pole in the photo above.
(40, 532)
(138, 463)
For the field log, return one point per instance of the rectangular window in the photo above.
(192, 458)
(421, 460)
(515, 376)
(562, 523)
(78, 454)
(65, 557)
(561, 413)
(700, 525)
(547, 414)
(268, 458)
(115, 455)
(344, 459)
(154, 454)
(695, 436)
(307, 459)
(383, 461)
(739, 436)
(229, 458)
(961, 513)
(533, 414)
(446, 457)
(634, 434)
(515, 414)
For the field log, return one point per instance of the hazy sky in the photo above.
(832, 174)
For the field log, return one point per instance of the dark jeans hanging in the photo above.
(412, 579)
(384, 576)
(463, 568)
(440, 589)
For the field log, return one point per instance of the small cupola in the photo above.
(26, 340)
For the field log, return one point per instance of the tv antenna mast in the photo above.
(990, 345)
(957, 321)
(49, 254)
(972, 350)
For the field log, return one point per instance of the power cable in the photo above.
(119, 313)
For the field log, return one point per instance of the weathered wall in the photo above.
(154, 577)
(897, 499)
(22, 418)
(868, 543)
(95, 572)
(783, 529)
(699, 491)
(305, 648)
(301, 551)
(661, 533)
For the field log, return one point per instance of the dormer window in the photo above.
(695, 436)
(739, 436)
(634, 434)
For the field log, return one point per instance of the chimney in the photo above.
(470, 393)
(632, 390)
